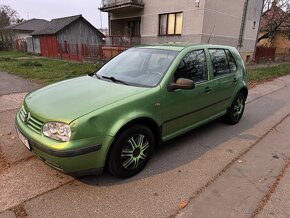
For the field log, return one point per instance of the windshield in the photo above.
(138, 66)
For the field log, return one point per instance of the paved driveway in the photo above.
(217, 170)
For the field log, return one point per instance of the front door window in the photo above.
(193, 66)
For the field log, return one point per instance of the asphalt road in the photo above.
(214, 171)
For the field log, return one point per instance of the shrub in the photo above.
(31, 64)
(5, 59)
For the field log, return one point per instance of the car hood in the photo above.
(65, 101)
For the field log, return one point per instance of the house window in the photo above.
(170, 24)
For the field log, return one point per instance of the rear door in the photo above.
(224, 73)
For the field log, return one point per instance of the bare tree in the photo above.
(267, 5)
(8, 16)
(275, 19)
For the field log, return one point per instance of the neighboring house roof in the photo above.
(274, 15)
(29, 25)
(56, 25)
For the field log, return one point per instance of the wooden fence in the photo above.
(264, 54)
(84, 52)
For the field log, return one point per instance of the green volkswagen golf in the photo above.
(115, 117)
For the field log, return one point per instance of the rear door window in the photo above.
(220, 62)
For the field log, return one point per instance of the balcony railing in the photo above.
(122, 41)
(121, 5)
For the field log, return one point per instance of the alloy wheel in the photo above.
(134, 151)
(238, 108)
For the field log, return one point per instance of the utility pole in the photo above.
(101, 20)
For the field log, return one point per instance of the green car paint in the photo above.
(98, 110)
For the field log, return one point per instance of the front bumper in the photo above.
(76, 157)
(70, 153)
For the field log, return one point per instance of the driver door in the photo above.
(183, 109)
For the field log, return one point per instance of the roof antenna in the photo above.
(209, 38)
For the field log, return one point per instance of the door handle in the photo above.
(207, 90)
(235, 80)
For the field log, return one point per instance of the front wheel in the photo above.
(235, 112)
(130, 152)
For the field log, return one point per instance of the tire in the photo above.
(130, 152)
(236, 110)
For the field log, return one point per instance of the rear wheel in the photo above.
(130, 152)
(235, 112)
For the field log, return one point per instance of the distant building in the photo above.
(280, 41)
(66, 38)
(21, 31)
(232, 23)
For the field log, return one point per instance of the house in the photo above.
(21, 31)
(278, 20)
(232, 23)
(67, 38)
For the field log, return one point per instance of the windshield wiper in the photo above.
(115, 80)
(94, 75)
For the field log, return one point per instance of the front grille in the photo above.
(30, 121)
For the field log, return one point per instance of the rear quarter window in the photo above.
(232, 62)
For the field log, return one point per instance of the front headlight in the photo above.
(57, 131)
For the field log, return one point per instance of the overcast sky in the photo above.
(49, 9)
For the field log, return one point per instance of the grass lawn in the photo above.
(270, 73)
(12, 54)
(42, 70)
(46, 71)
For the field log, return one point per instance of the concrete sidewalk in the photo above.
(13, 84)
(242, 188)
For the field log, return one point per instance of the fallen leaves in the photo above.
(182, 205)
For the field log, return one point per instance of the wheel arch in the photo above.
(145, 121)
(244, 91)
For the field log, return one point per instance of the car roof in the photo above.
(180, 46)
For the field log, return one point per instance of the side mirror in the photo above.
(181, 83)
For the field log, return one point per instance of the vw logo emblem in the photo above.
(26, 118)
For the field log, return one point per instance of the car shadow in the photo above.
(194, 144)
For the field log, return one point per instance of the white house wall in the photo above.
(18, 36)
(220, 19)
